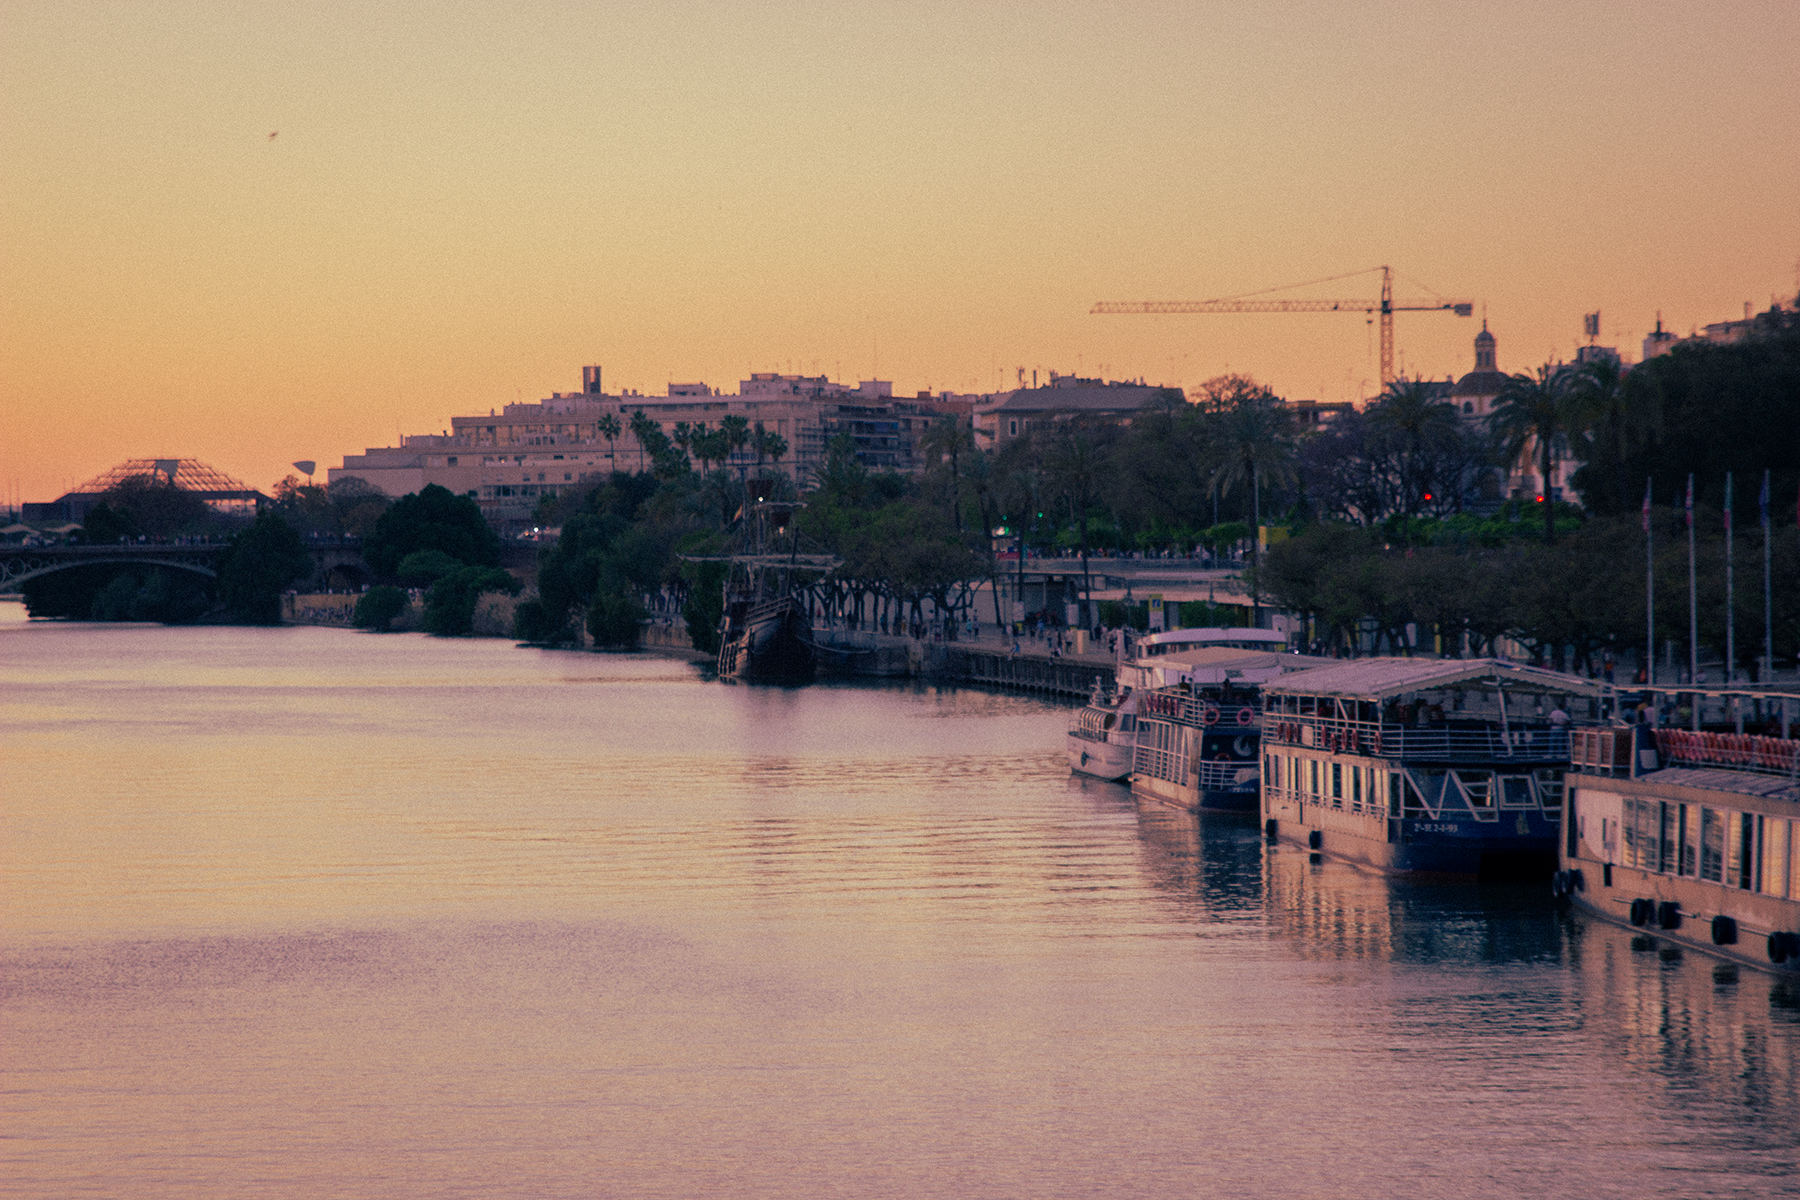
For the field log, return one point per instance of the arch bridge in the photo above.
(21, 563)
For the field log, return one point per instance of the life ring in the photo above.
(1375, 742)
(1210, 714)
(1245, 716)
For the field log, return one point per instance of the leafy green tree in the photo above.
(615, 620)
(450, 604)
(379, 607)
(259, 565)
(152, 506)
(433, 519)
(705, 606)
(422, 568)
(1703, 408)
(105, 526)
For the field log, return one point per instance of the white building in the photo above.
(508, 460)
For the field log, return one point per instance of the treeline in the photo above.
(1571, 602)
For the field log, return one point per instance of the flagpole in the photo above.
(1649, 593)
(1693, 609)
(1730, 612)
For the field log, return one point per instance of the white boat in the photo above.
(1104, 737)
(1102, 741)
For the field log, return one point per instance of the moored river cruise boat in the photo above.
(1102, 740)
(1199, 727)
(1692, 836)
(1451, 766)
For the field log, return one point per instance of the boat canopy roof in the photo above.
(1216, 664)
(1382, 678)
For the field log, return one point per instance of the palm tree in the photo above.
(1530, 411)
(608, 427)
(1415, 423)
(1613, 417)
(1252, 439)
(641, 427)
(736, 430)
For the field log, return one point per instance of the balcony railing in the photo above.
(1446, 743)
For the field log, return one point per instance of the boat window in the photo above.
(1669, 839)
(1515, 792)
(1712, 845)
(1111, 719)
(1550, 788)
(1690, 839)
(1775, 855)
(1337, 785)
(1127, 723)
(1480, 786)
(1356, 789)
(1307, 706)
(1740, 850)
(1315, 776)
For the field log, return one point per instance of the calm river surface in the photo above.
(310, 913)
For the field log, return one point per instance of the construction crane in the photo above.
(1386, 306)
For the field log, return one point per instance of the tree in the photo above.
(609, 428)
(1252, 435)
(1412, 433)
(433, 519)
(378, 608)
(259, 565)
(450, 604)
(1529, 413)
(649, 436)
(947, 440)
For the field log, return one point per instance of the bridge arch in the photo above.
(14, 573)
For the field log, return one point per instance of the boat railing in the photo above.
(1198, 711)
(1433, 743)
(1225, 776)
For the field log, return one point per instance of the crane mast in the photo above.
(1386, 306)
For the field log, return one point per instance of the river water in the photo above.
(305, 912)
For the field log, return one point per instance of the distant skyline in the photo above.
(253, 234)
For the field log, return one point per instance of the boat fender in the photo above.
(1314, 839)
(1271, 828)
(1724, 931)
(1245, 716)
(1640, 912)
(1783, 946)
(1578, 881)
(1668, 915)
(1559, 884)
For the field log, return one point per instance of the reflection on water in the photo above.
(303, 912)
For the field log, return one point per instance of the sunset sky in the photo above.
(464, 203)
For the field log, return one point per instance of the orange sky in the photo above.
(466, 202)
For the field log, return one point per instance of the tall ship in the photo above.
(1692, 836)
(1451, 766)
(1102, 741)
(765, 634)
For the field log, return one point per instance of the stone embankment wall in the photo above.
(493, 612)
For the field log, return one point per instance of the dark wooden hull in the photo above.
(767, 642)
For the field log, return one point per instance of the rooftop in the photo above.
(1382, 678)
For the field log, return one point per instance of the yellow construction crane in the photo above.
(1386, 306)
